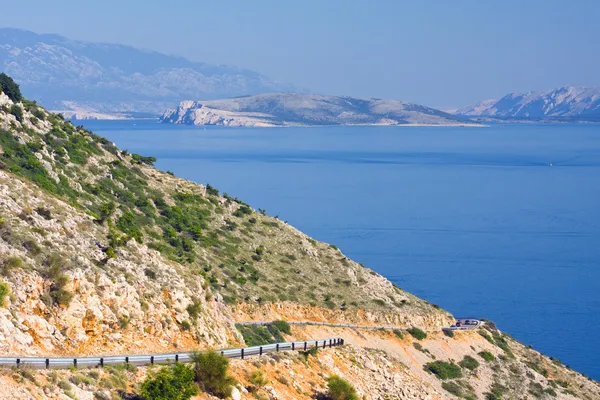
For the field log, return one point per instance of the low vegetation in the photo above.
(443, 370)
(4, 293)
(212, 373)
(340, 389)
(257, 335)
(486, 355)
(469, 363)
(417, 333)
(174, 382)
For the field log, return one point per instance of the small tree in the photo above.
(417, 333)
(340, 389)
(15, 110)
(4, 292)
(170, 383)
(10, 88)
(212, 373)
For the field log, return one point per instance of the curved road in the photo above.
(461, 324)
(92, 362)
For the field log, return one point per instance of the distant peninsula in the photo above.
(295, 109)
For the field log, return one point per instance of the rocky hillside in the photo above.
(94, 79)
(293, 109)
(101, 253)
(562, 104)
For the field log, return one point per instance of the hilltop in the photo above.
(568, 104)
(101, 253)
(294, 109)
(94, 79)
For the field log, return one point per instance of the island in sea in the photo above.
(296, 109)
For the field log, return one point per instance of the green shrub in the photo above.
(170, 383)
(398, 334)
(443, 370)
(194, 309)
(258, 379)
(212, 373)
(4, 293)
(496, 392)
(127, 225)
(185, 325)
(138, 159)
(211, 190)
(255, 335)
(417, 333)
(469, 363)
(486, 355)
(283, 326)
(11, 263)
(453, 388)
(10, 88)
(340, 389)
(448, 332)
(16, 110)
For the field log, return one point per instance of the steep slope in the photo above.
(102, 253)
(285, 109)
(565, 103)
(93, 78)
(79, 214)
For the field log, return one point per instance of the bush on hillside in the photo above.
(170, 383)
(417, 333)
(283, 326)
(4, 292)
(340, 389)
(10, 88)
(212, 373)
(16, 110)
(486, 355)
(469, 363)
(443, 370)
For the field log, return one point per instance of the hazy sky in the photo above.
(440, 53)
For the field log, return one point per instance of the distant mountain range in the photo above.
(99, 78)
(567, 103)
(293, 109)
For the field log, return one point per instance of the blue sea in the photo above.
(500, 222)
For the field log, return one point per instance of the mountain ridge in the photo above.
(565, 103)
(112, 78)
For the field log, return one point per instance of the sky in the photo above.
(442, 53)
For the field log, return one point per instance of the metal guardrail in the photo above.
(168, 358)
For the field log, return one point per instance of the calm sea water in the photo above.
(500, 222)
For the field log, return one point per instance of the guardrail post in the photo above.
(75, 362)
(277, 347)
(324, 343)
(18, 362)
(304, 346)
(101, 362)
(242, 354)
(152, 360)
(47, 363)
(222, 353)
(330, 343)
(126, 360)
(260, 351)
(176, 357)
(293, 346)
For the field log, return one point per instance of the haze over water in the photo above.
(500, 222)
